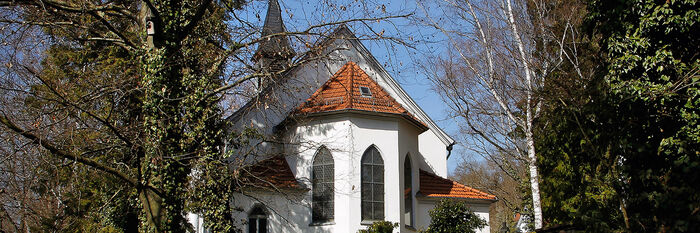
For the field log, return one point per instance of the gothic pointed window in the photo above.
(322, 179)
(372, 193)
(408, 191)
(257, 220)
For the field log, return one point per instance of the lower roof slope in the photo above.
(432, 185)
(271, 173)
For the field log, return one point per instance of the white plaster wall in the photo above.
(197, 222)
(434, 152)
(334, 132)
(285, 213)
(422, 213)
(408, 146)
(381, 132)
(348, 136)
(482, 210)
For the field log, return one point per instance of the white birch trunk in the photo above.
(529, 138)
(534, 177)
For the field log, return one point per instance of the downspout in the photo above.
(449, 149)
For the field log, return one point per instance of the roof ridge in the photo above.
(350, 65)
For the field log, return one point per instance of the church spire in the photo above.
(274, 54)
(276, 47)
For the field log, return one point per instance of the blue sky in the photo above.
(401, 61)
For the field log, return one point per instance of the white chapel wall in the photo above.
(383, 133)
(334, 133)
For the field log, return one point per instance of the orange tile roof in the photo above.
(272, 173)
(432, 185)
(342, 92)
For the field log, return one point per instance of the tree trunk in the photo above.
(529, 118)
(151, 203)
(534, 177)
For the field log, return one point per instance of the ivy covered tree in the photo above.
(652, 68)
(111, 112)
(451, 216)
(623, 153)
(581, 178)
(136, 110)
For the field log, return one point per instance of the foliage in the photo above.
(100, 202)
(451, 216)
(579, 174)
(180, 119)
(620, 150)
(652, 69)
(147, 115)
(380, 227)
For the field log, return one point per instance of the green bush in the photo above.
(380, 227)
(453, 216)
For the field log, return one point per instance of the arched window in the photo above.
(372, 170)
(322, 179)
(408, 191)
(257, 220)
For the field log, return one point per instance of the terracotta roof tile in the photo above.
(272, 173)
(432, 185)
(342, 92)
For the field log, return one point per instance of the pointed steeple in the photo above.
(276, 47)
(274, 54)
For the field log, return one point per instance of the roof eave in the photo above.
(282, 190)
(421, 196)
(421, 127)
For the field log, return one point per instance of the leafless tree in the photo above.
(498, 56)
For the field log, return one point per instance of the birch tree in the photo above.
(498, 56)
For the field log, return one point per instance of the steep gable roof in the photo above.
(343, 91)
(432, 185)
